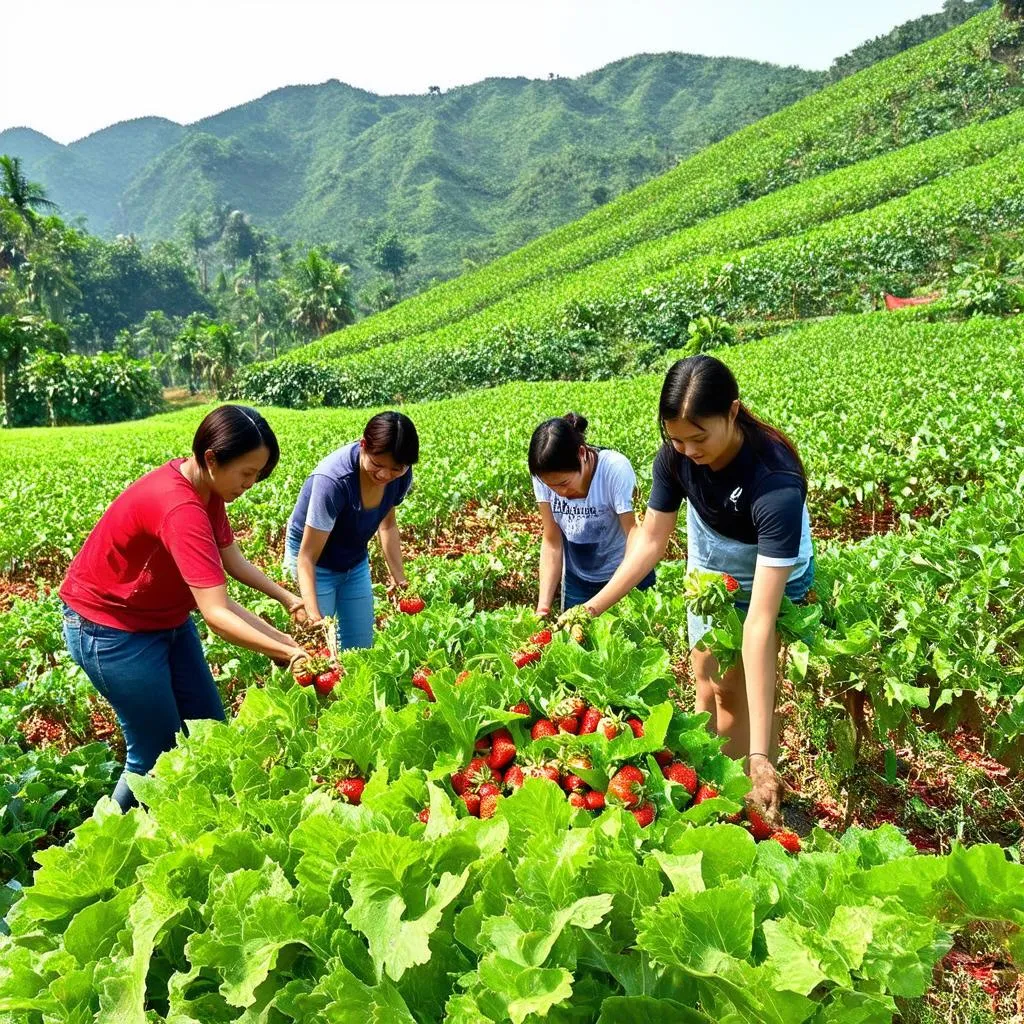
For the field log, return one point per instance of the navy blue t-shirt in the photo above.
(330, 501)
(757, 499)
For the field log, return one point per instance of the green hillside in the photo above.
(880, 181)
(474, 172)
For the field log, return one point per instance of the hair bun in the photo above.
(577, 422)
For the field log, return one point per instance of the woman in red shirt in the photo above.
(163, 548)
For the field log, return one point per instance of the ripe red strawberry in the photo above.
(424, 815)
(644, 814)
(731, 584)
(636, 725)
(472, 802)
(705, 792)
(305, 678)
(541, 639)
(577, 799)
(610, 726)
(461, 678)
(594, 800)
(489, 804)
(543, 727)
(325, 682)
(625, 786)
(419, 680)
(522, 708)
(568, 724)
(572, 783)
(324, 652)
(460, 782)
(514, 777)
(566, 705)
(351, 789)
(503, 749)
(789, 841)
(488, 789)
(479, 772)
(482, 744)
(590, 720)
(664, 757)
(525, 657)
(759, 828)
(411, 605)
(682, 773)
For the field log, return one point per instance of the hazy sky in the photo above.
(78, 65)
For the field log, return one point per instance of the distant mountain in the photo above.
(471, 173)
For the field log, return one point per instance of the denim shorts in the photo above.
(576, 590)
(346, 595)
(155, 682)
(708, 550)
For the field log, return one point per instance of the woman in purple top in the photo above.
(350, 496)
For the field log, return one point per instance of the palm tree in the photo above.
(25, 196)
(321, 295)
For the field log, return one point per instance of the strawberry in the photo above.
(488, 789)
(324, 652)
(789, 841)
(543, 770)
(731, 583)
(572, 783)
(636, 725)
(461, 678)
(351, 789)
(424, 815)
(460, 782)
(625, 786)
(759, 828)
(578, 759)
(543, 727)
(541, 639)
(590, 720)
(577, 799)
(419, 680)
(503, 749)
(644, 814)
(326, 681)
(566, 706)
(664, 757)
(705, 792)
(682, 773)
(305, 677)
(472, 802)
(489, 804)
(522, 708)
(514, 777)
(568, 724)
(525, 657)
(478, 772)
(411, 605)
(594, 800)
(610, 726)
(482, 744)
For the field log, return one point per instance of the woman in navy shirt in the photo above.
(746, 494)
(350, 496)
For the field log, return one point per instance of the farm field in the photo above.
(916, 477)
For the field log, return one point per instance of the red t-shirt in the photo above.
(155, 540)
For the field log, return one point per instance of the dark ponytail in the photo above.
(703, 386)
(555, 445)
(393, 433)
(230, 432)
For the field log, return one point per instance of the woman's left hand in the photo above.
(397, 586)
(296, 608)
(767, 789)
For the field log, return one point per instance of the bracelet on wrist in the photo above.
(759, 754)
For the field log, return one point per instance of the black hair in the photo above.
(392, 433)
(230, 432)
(703, 386)
(555, 445)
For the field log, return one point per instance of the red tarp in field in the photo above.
(892, 302)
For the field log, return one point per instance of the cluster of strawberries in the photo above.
(320, 670)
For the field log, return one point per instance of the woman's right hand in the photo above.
(297, 663)
(542, 611)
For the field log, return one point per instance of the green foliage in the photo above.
(56, 390)
(321, 295)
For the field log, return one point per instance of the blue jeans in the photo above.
(348, 596)
(576, 590)
(154, 681)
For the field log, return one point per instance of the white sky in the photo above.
(75, 66)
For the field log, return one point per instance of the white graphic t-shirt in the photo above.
(593, 541)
